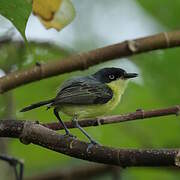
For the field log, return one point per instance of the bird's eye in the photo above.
(111, 77)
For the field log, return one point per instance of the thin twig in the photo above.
(139, 114)
(14, 163)
(84, 60)
(29, 132)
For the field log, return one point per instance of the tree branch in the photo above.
(76, 173)
(139, 114)
(29, 132)
(84, 60)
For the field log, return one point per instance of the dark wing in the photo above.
(86, 90)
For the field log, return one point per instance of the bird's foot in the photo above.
(70, 135)
(92, 144)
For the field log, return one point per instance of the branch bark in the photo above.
(76, 173)
(84, 60)
(29, 132)
(139, 114)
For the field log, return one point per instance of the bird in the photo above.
(87, 96)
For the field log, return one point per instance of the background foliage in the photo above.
(159, 88)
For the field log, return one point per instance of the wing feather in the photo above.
(83, 91)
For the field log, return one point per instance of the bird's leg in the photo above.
(76, 124)
(61, 122)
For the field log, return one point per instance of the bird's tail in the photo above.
(36, 105)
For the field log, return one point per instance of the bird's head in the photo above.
(108, 75)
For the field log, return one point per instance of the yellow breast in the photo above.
(88, 111)
(118, 88)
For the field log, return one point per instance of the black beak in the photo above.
(130, 75)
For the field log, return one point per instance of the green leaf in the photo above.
(17, 12)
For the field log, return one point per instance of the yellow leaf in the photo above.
(54, 13)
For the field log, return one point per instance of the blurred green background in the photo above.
(99, 23)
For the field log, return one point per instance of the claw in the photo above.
(95, 142)
(70, 135)
(92, 144)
